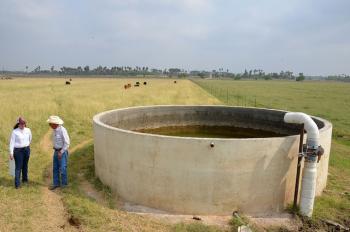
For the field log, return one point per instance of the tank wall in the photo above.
(186, 175)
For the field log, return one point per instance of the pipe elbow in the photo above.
(313, 134)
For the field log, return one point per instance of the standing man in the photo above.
(61, 143)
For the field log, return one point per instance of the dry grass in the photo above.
(36, 99)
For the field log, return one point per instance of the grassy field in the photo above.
(329, 100)
(33, 207)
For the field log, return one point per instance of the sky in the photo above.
(311, 36)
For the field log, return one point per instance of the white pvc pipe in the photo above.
(313, 135)
(308, 183)
(308, 188)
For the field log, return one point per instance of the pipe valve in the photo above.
(312, 153)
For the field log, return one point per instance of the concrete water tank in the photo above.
(190, 175)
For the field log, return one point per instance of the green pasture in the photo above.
(329, 100)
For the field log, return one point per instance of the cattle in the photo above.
(145, 83)
(137, 83)
(70, 79)
(174, 82)
(126, 86)
(67, 82)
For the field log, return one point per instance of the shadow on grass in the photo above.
(82, 166)
(9, 182)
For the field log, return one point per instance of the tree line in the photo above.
(254, 74)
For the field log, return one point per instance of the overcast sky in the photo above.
(302, 36)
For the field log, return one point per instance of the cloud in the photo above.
(203, 34)
(35, 9)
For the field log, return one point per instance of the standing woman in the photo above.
(21, 138)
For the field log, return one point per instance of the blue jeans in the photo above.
(60, 169)
(21, 156)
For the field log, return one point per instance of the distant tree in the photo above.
(289, 75)
(99, 69)
(267, 77)
(275, 75)
(245, 74)
(37, 69)
(301, 77)
(52, 69)
(174, 71)
(87, 68)
(201, 75)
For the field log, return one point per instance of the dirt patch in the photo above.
(56, 217)
(221, 221)
(46, 142)
(283, 220)
(79, 146)
(91, 192)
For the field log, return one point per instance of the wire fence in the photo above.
(230, 96)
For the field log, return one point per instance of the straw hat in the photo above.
(55, 120)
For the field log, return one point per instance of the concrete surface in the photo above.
(187, 176)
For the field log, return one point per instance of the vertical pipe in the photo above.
(308, 183)
(308, 187)
(297, 179)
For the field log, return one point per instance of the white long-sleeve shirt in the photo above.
(20, 138)
(61, 139)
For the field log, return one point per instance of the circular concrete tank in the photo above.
(189, 175)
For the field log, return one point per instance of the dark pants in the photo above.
(21, 156)
(60, 169)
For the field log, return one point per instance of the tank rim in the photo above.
(97, 120)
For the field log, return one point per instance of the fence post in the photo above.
(255, 101)
(226, 96)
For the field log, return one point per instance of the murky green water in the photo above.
(211, 132)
